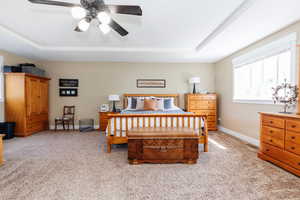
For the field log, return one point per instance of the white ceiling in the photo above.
(168, 31)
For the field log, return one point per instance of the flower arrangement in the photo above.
(285, 94)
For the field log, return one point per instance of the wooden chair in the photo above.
(67, 118)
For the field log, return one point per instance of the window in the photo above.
(257, 72)
(1, 80)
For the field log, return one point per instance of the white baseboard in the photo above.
(52, 127)
(240, 136)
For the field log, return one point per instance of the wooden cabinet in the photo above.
(103, 120)
(280, 140)
(27, 102)
(205, 104)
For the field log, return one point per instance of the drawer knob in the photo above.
(293, 137)
(293, 148)
(269, 150)
(294, 126)
(271, 131)
(271, 140)
(271, 122)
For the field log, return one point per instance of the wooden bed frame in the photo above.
(112, 137)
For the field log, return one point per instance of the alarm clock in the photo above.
(104, 108)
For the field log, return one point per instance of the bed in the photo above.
(176, 118)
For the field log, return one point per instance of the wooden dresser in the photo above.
(203, 104)
(26, 102)
(280, 140)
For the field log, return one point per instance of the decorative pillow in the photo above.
(150, 104)
(128, 103)
(159, 103)
(140, 104)
(131, 103)
(169, 103)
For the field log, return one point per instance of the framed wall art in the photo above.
(68, 92)
(151, 83)
(68, 82)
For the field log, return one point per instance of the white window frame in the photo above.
(1, 79)
(286, 43)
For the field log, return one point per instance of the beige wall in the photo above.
(98, 80)
(243, 118)
(10, 59)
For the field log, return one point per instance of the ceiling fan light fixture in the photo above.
(83, 25)
(104, 18)
(104, 28)
(78, 12)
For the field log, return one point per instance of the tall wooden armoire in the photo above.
(27, 102)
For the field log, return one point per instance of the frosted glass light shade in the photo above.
(104, 28)
(104, 18)
(114, 97)
(194, 80)
(83, 25)
(78, 12)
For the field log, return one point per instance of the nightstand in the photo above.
(103, 120)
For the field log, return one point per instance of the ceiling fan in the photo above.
(89, 10)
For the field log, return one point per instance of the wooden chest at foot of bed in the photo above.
(162, 145)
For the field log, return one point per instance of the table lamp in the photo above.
(114, 98)
(194, 80)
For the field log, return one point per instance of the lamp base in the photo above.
(194, 89)
(114, 107)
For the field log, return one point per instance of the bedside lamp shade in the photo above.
(114, 97)
(194, 80)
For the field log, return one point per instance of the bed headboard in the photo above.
(175, 96)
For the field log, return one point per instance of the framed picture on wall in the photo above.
(68, 82)
(151, 83)
(68, 92)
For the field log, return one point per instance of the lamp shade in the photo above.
(114, 97)
(194, 80)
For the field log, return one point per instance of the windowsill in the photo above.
(260, 102)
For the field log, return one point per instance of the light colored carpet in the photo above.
(73, 166)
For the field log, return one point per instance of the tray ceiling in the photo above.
(168, 31)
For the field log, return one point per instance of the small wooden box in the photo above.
(163, 145)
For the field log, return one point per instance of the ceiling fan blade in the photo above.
(124, 9)
(114, 25)
(54, 3)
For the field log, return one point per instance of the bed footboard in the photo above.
(119, 124)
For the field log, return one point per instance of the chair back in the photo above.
(69, 111)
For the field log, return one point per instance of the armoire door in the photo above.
(32, 96)
(44, 96)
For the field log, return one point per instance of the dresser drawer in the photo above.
(293, 125)
(202, 105)
(292, 147)
(273, 132)
(273, 121)
(284, 156)
(202, 97)
(204, 112)
(212, 118)
(292, 137)
(273, 141)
